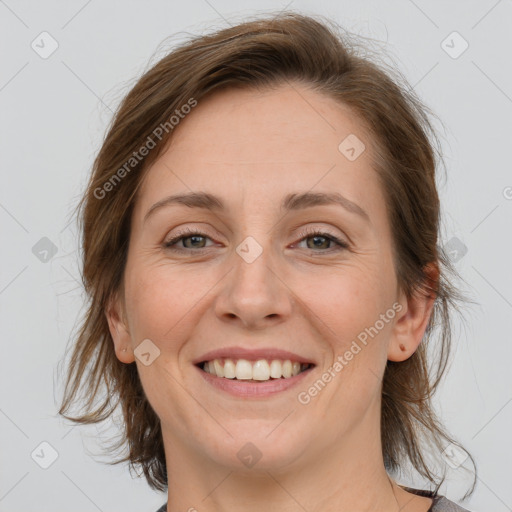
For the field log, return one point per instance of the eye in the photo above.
(187, 235)
(193, 239)
(322, 238)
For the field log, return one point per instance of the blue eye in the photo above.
(196, 240)
(184, 235)
(320, 238)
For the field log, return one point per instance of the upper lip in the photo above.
(252, 355)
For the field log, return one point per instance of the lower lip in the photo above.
(248, 389)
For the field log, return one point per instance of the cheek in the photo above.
(347, 311)
(156, 300)
(346, 301)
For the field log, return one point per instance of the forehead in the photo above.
(252, 125)
(258, 143)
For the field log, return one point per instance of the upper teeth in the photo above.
(261, 369)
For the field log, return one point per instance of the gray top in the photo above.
(439, 503)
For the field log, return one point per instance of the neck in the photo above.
(347, 475)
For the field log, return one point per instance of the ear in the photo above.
(119, 331)
(413, 319)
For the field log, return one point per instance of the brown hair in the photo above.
(288, 48)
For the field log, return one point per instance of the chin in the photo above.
(259, 445)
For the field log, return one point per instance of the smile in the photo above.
(253, 379)
(256, 371)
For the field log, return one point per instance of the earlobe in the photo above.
(411, 325)
(119, 330)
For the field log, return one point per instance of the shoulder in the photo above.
(439, 503)
(442, 504)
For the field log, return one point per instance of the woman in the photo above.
(260, 249)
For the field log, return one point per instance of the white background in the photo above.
(54, 113)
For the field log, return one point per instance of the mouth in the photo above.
(253, 373)
(253, 379)
(258, 371)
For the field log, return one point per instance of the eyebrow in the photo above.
(292, 202)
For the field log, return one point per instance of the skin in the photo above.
(251, 148)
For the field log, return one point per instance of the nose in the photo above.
(254, 294)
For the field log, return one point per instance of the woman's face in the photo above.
(259, 270)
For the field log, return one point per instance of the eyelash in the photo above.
(308, 233)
